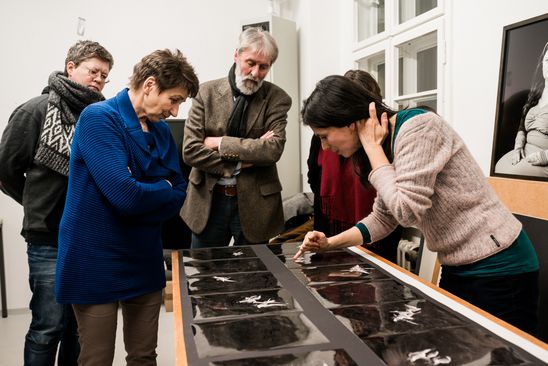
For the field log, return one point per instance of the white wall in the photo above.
(35, 36)
(474, 52)
(319, 25)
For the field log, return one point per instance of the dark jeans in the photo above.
(222, 225)
(512, 298)
(52, 324)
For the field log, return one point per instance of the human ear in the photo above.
(149, 84)
(356, 124)
(69, 68)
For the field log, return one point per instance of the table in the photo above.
(255, 305)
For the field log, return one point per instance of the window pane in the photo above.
(370, 18)
(409, 9)
(417, 65)
(427, 69)
(381, 79)
(376, 66)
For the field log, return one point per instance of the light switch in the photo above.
(81, 26)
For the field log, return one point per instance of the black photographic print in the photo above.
(520, 145)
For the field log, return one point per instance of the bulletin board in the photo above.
(523, 197)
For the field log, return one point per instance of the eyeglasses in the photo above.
(95, 72)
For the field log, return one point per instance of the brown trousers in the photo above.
(97, 330)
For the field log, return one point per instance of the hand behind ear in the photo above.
(371, 131)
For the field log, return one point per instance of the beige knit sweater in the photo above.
(435, 185)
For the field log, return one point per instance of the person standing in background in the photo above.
(234, 135)
(125, 182)
(35, 152)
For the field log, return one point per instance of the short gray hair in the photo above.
(258, 40)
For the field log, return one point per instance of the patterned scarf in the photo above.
(237, 120)
(66, 101)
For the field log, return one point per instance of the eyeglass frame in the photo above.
(95, 72)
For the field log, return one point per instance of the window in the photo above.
(408, 9)
(405, 56)
(417, 72)
(376, 66)
(370, 18)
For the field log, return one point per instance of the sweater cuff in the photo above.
(381, 168)
(366, 236)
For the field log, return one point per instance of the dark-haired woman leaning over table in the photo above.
(426, 178)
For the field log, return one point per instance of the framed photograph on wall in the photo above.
(520, 144)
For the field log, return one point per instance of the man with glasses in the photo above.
(35, 151)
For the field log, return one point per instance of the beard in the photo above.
(246, 83)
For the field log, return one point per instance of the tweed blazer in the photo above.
(259, 187)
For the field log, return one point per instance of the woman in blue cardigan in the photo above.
(124, 182)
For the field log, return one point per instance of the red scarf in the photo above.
(344, 201)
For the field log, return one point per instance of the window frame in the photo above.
(387, 42)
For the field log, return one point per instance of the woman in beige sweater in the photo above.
(426, 178)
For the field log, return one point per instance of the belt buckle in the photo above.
(230, 191)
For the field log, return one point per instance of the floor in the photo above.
(15, 326)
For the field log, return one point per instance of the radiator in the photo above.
(407, 254)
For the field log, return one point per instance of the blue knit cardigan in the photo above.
(110, 244)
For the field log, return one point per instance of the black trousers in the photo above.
(512, 298)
